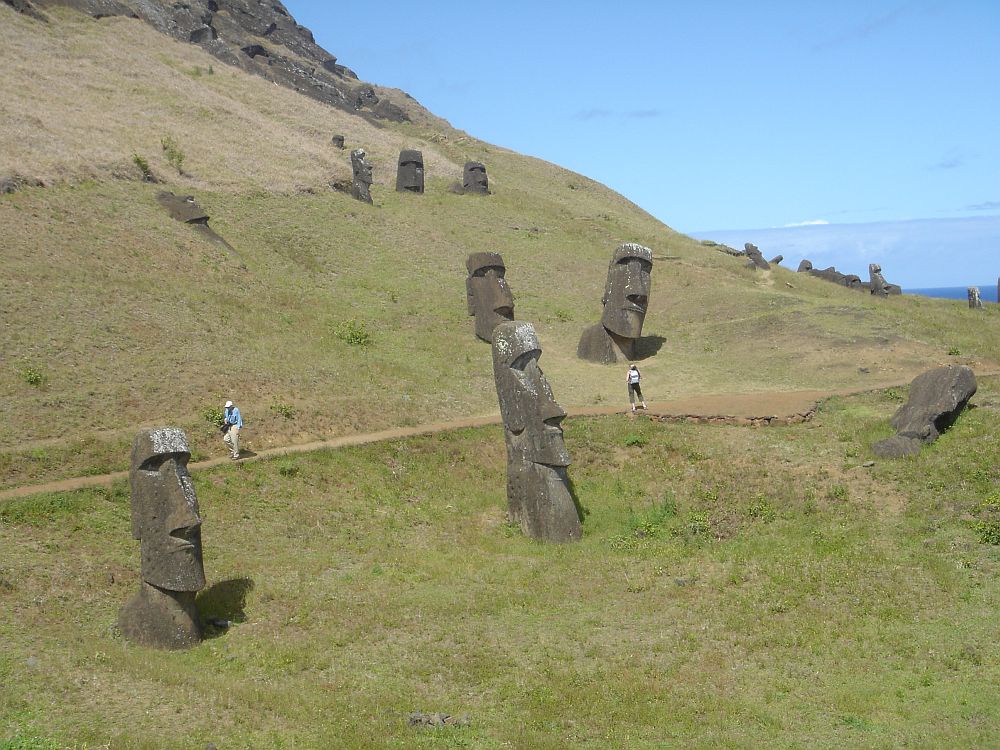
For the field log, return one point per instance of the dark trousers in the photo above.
(633, 391)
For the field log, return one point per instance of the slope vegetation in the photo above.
(346, 317)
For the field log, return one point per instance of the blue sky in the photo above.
(716, 115)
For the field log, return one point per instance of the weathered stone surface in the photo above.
(338, 141)
(538, 489)
(936, 399)
(804, 266)
(232, 31)
(756, 259)
(488, 297)
(975, 300)
(166, 522)
(362, 171)
(474, 178)
(182, 208)
(722, 248)
(776, 260)
(26, 8)
(626, 297)
(410, 172)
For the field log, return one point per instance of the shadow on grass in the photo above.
(224, 601)
(648, 346)
(581, 511)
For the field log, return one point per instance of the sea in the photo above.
(987, 292)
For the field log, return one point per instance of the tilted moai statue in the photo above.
(776, 260)
(975, 300)
(804, 266)
(487, 293)
(360, 188)
(876, 283)
(626, 295)
(756, 259)
(165, 520)
(538, 493)
(474, 178)
(410, 173)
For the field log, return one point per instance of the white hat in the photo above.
(228, 404)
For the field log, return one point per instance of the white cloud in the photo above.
(809, 223)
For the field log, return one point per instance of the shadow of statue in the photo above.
(648, 346)
(581, 511)
(223, 603)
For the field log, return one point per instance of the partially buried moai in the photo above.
(362, 181)
(165, 520)
(538, 492)
(626, 295)
(487, 294)
(474, 178)
(756, 259)
(410, 172)
(975, 299)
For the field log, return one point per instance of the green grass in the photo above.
(734, 587)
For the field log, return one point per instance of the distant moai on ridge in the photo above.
(539, 498)
(488, 297)
(625, 300)
(975, 299)
(410, 172)
(474, 178)
(362, 176)
(756, 259)
(166, 522)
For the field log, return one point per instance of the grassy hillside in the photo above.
(734, 588)
(117, 316)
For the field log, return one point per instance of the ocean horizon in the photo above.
(987, 292)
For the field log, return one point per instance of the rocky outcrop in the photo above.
(937, 397)
(259, 37)
(26, 8)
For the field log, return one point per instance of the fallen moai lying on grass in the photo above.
(937, 397)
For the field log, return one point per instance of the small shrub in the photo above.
(699, 525)
(143, 165)
(761, 509)
(288, 469)
(284, 410)
(28, 742)
(635, 440)
(893, 394)
(954, 351)
(172, 152)
(213, 415)
(353, 333)
(563, 316)
(988, 525)
(838, 492)
(33, 376)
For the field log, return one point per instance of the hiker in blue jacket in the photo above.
(232, 423)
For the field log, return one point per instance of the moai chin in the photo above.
(975, 300)
(410, 173)
(474, 178)
(488, 297)
(626, 296)
(362, 181)
(166, 522)
(538, 493)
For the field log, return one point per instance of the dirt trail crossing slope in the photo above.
(767, 408)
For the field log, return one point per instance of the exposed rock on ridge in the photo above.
(257, 36)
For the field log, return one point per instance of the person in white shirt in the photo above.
(634, 390)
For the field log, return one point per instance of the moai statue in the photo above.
(538, 493)
(165, 520)
(975, 300)
(626, 295)
(410, 173)
(756, 259)
(877, 284)
(474, 178)
(487, 293)
(776, 260)
(805, 266)
(360, 188)
(338, 141)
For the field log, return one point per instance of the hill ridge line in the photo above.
(753, 409)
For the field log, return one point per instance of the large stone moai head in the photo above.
(166, 522)
(538, 493)
(487, 293)
(474, 178)
(410, 173)
(876, 281)
(756, 259)
(626, 293)
(362, 180)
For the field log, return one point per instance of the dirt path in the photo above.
(737, 408)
